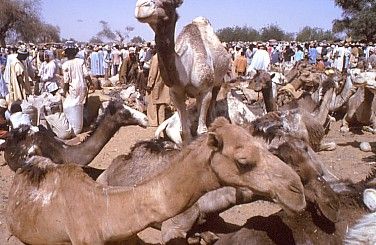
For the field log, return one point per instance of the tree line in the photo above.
(20, 20)
(273, 31)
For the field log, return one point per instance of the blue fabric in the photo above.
(3, 86)
(96, 63)
(312, 55)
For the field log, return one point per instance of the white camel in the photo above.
(194, 67)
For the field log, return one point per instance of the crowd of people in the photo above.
(264, 55)
(68, 70)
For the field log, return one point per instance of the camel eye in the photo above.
(244, 165)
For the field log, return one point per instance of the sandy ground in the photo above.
(347, 161)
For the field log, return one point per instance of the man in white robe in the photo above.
(75, 87)
(47, 73)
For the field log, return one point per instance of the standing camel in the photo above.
(194, 66)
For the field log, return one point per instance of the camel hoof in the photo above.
(365, 146)
(344, 129)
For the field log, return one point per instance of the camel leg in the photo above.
(203, 103)
(211, 112)
(178, 99)
(353, 105)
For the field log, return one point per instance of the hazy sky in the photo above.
(79, 19)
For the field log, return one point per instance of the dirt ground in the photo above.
(347, 161)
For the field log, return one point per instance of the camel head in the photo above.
(154, 12)
(260, 80)
(363, 79)
(238, 159)
(22, 143)
(124, 115)
(303, 160)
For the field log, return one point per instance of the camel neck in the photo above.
(85, 152)
(162, 197)
(344, 96)
(165, 44)
(323, 111)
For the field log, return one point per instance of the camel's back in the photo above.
(146, 160)
(199, 39)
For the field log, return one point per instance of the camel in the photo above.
(296, 154)
(195, 66)
(126, 170)
(22, 144)
(230, 107)
(360, 105)
(313, 117)
(53, 204)
(309, 228)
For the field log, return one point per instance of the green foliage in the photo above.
(273, 31)
(237, 33)
(245, 33)
(358, 19)
(314, 33)
(137, 39)
(20, 19)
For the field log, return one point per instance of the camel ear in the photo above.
(215, 141)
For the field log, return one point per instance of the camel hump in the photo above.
(36, 168)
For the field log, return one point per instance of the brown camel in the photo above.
(313, 117)
(308, 227)
(360, 108)
(294, 152)
(195, 66)
(22, 144)
(54, 204)
(125, 171)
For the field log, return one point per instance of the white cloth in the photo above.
(260, 61)
(17, 119)
(59, 124)
(75, 72)
(48, 77)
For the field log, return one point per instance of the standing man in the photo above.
(129, 68)
(47, 73)
(19, 84)
(240, 64)
(158, 95)
(75, 72)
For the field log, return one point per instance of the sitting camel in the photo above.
(22, 144)
(125, 171)
(313, 117)
(360, 105)
(51, 204)
(231, 108)
(309, 228)
(194, 67)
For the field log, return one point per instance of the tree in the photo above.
(358, 19)
(137, 39)
(245, 33)
(95, 40)
(20, 19)
(273, 31)
(106, 32)
(314, 33)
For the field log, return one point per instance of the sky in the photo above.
(79, 19)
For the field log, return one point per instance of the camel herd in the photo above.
(220, 154)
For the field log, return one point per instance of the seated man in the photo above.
(17, 118)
